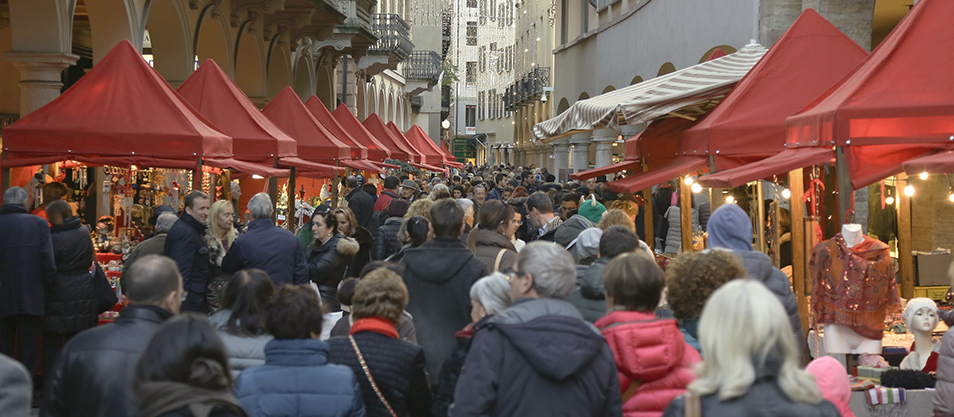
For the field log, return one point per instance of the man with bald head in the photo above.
(93, 375)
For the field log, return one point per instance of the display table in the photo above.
(920, 402)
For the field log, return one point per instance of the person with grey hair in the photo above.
(28, 262)
(153, 245)
(267, 247)
(521, 363)
(467, 205)
(93, 376)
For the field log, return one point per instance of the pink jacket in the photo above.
(652, 351)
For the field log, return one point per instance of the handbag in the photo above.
(367, 372)
(499, 258)
(102, 289)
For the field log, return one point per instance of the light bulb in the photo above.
(696, 188)
(688, 180)
(730, 200)
(951, 197)
(924, 175)
(889, 200)
(909, 190)
(786, 193)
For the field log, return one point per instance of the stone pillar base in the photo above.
(40, 76)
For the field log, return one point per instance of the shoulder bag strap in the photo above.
(499, 258)
(693, 407)
(367, 372)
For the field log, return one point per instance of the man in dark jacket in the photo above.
(438, 275)
(358, 201)
(267, 247)
(730, 228)
(26, 256)
(590, 297)
(156, 245)
(497, 193)
(186, 245)
(539, 358)
(386, 242)
(94, 373)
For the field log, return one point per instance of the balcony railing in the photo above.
(527, 88)
(423, 66)
(394, 36)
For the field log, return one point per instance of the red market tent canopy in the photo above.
(397, 134)
(659, 144)
(317, 108)
(448, 159)
(315, 143)
(255, 139)
(398, 150)
(416, 136)
(122, 112)
(937, 162)
(900, 98)
(376, 150)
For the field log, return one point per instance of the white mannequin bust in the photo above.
(840, 338)
(921, 318)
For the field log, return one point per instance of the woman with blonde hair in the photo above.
(348, 226)
(219, 236)
(751, 365)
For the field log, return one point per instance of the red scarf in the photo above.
(376, 325)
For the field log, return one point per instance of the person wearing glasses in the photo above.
(539, 357)
(267, 247)
(94, 372)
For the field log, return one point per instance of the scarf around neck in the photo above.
(375, 325)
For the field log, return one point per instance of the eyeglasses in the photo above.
(183, 296)
(515, 274)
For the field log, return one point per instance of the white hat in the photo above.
(914, 305)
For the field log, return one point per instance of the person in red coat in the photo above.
(654, 363)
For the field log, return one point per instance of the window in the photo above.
(482, 12)
(483, 58)
(493, 10)
(492, 103)
(470, 116)
(471, 72)
(472, 33)
(480, 105)
(472, 4)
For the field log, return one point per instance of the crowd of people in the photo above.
(494, 293)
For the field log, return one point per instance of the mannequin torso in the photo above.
(840, 338)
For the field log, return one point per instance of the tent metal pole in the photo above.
(905, 242)
(760, 222)
(685, 215)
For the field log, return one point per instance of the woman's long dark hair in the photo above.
(246, 295)
(188, 350)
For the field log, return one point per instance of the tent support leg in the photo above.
(760, 222)
(685, 215)
(799, 251)
(5, 181)
(715, 194)
(290, 218)
(197, 176)
(905, 244)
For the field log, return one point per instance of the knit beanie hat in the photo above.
(397, 208)
(832, 381)
(592, 209)
(729, 227)
(914, 305)
(588, 244)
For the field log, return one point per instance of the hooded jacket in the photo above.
(649, 351)
(833, 382)
(487, 246)
(438, 275)
(589, 298)
(538, 358)
(570, 230)
(730, 228)
(328, 263)
(70, 295)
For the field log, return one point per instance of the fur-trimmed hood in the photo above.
(344, 245)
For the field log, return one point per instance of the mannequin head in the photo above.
(920, 315)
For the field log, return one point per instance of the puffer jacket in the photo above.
(589, 298)
(944, 397)
(674, 233)
(651, 352)
(763, 398)
(487, 245)
(70, 296)
(297, 380)
(244, 352)
(538, 358)
(385, 240)
(327, 264)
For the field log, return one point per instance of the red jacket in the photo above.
(652, 351)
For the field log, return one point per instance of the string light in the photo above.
(909, 190)
(696, 188)
(924, 175)
(889, 200)
(730, 200)
(786, 193)
(688, 180)
(951, 197)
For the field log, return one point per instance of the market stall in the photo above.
(359, 152)
(399, 151)
(377, 151)
(420, 139)
(423, 159)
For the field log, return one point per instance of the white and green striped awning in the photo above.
(653, 98)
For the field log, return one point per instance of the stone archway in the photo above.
(278, 69)
(325, 80)
(212, 42)
(382, 107)
(583, 96)
(608, 89)
(303, 78)
(564, 104)
(250, 74)
(372, 103)
(112, 21)
(636, 80)
(170, 41)
(666, 69)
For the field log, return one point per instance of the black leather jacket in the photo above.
(386, 241)
(94, 372)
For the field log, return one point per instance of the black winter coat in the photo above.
(185, 244)
(450, 370)
(365, 245)
(438, 275)
(70, 295)
(362, 205)
(271, 249)
(94, 372)
(26, 256)
(327, 264)
(538, 358)
(398, 370)
(385, 240)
